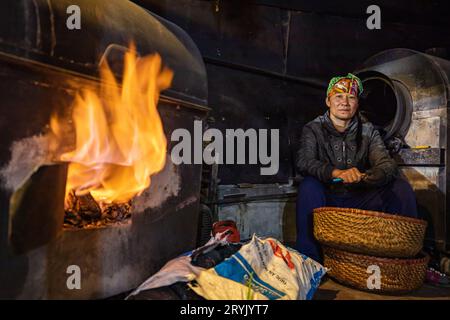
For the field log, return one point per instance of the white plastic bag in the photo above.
(179, 269)
(176, 270)
(261, 269)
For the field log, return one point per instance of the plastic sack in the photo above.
(179, 269)
(261, 269)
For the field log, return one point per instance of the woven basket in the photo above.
(396, 275)
(369, 232)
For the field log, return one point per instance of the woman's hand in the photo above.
(352, 175)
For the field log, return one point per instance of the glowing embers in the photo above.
(119, 139)
(84, 212)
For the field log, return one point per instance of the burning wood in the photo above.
(82, 211)
(119, 141)
(119, 136)
(84, 205)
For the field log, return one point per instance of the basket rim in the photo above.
(398, 261)
(372, 213)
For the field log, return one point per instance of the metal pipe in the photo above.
(256, 198)
(309, 81)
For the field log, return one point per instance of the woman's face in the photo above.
(343, 106)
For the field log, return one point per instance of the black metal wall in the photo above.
(266, 59)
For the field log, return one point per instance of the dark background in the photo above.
(267, 61)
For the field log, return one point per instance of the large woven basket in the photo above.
(369, 232)
(396, 275)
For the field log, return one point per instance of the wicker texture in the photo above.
(369, 232)
(397, 275)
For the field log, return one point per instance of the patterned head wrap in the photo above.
(349, 84)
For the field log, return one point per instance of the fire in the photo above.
(120, 140)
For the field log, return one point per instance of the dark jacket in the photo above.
(323, 148)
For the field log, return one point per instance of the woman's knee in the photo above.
(311, 184)
(405, 198)
(402, 188)
(311, 193)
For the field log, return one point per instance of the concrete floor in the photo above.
(331, 290)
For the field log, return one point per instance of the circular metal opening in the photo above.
(379, 104)
(386, 104)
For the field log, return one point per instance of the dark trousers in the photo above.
(396, 197)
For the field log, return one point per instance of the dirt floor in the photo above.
(331, 290)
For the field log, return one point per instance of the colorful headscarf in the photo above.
(348, 84)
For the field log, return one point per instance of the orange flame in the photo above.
(120, 140)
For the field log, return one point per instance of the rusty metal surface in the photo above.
(421, 157)
(265, 209)
(36, 29)
(420, 73)
(37, 209)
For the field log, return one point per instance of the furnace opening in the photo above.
(119, 141)
(387, 105)
(379, 104)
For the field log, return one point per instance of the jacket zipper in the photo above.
(344, 156)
